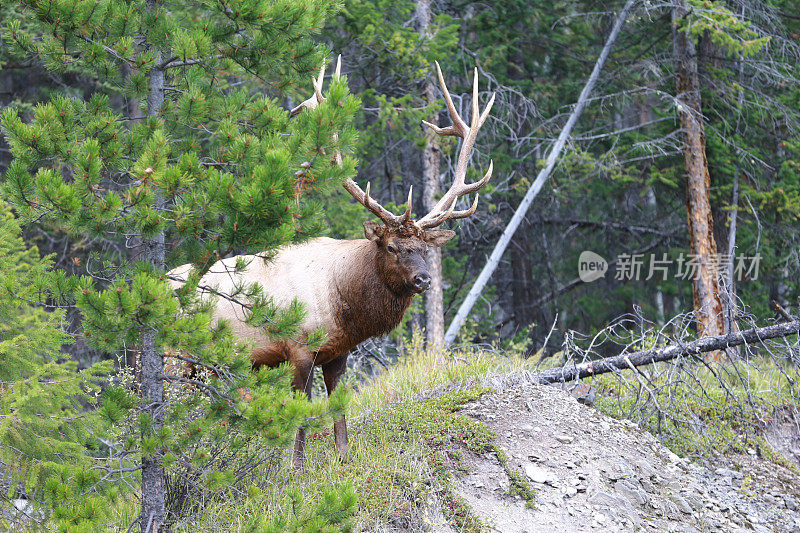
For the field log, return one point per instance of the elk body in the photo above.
(355, 289)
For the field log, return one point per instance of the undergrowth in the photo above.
(404, 450)
(407, 447)
(435, 426)
(699, 410)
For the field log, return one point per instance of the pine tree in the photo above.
(46, 432)
(182, 153)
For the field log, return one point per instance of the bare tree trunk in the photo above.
(731, 307)
(645, 116)
(522, 282)
(666, 353)
(431, 164)
(153, 513)
(533, 191)
(707, 301)
(659, 295)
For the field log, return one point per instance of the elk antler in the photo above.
(443, 210)
(377, 209)
(315, 99)
(351, 186)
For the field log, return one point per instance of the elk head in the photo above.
(402, 242)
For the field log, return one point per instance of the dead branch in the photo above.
(667, 353)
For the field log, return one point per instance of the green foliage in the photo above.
(729, 32)
(406, 444)
(217, 168)
(331, 515)
(518, 483)
(48, 439)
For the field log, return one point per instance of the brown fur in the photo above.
(354, 289)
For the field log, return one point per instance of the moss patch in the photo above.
(518, 483)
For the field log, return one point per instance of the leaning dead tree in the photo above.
(533, 191)
(667, 353)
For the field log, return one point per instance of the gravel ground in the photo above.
(595, 473)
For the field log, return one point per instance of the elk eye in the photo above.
(392, 249)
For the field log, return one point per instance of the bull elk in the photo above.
(355, 289)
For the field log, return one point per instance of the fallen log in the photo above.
(666, 353)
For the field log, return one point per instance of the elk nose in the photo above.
(422, 281)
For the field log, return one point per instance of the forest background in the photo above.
(619, 189)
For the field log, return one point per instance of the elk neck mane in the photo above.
(365, 305)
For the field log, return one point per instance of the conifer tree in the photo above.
(181, 154)
(44, 427)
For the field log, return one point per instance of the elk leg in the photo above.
(303, 378)
(332, 372)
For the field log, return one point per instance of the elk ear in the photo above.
(372, 230)
(438, 237)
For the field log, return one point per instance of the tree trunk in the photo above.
(153, 513)
(431, 164)
(707, 302)
(522, 282)
(731, 307)
(645, 116)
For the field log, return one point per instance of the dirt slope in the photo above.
(594, 473)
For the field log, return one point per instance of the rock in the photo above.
(602, 498)
(636, 496)
(696, 502)
(564, 439)
(617, 471)
(645, 467)
(682, 504)
(727, 472)
(535, 457)
(671, 457)
(539, 475)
